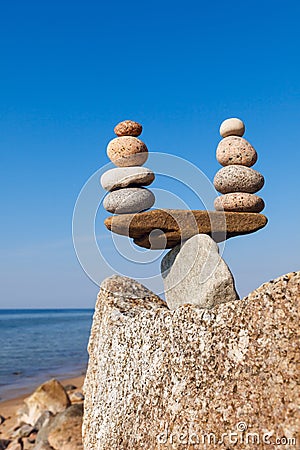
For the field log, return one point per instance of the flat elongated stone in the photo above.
(179, 225)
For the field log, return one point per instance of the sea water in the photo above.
(36, 345)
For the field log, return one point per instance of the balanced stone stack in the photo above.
(237, 181)
(125, 182)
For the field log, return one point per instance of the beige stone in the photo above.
(127, 151)
(236, 150)
(49, 396)
(155, 374)
(232, 127)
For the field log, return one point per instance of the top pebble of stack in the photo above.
(128, 128)
(232, 127)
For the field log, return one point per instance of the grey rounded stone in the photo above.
(238, 179)
(236, 150)
(124, 177)
(232, 127)
(129, 200)
(239, 202)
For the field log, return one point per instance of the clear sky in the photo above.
(71, 70)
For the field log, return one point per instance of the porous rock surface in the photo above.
(161, 379)
(238, 178)
(239, 202)
(126, 151)
(236, 150)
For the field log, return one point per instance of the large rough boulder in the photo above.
(193, 378)
(49, 396)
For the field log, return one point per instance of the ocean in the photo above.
(36, 345)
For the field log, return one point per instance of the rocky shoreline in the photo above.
(48, 419)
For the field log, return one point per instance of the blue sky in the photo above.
(71, 70)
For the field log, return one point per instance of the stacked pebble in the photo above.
(124, 183)
(236, 180)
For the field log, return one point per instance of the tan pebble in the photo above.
(232, 127)
(128, 128)
(239, 202)
(236, 150)
(126, 151)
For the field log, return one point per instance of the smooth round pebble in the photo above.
(239, 202)
(238, 179)
(126, 151)
(232, 127)
(236, 150)
(128, 128)
(122, 177)
(129, 200)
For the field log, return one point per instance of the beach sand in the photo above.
(9, 408)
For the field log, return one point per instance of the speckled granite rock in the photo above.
(128, 128)
(236, 150)
(239, 202)
(238, 179)
(126, 151)
(196, 271)
(155, 374)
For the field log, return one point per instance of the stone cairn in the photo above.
(236, 180)
(125, 182)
